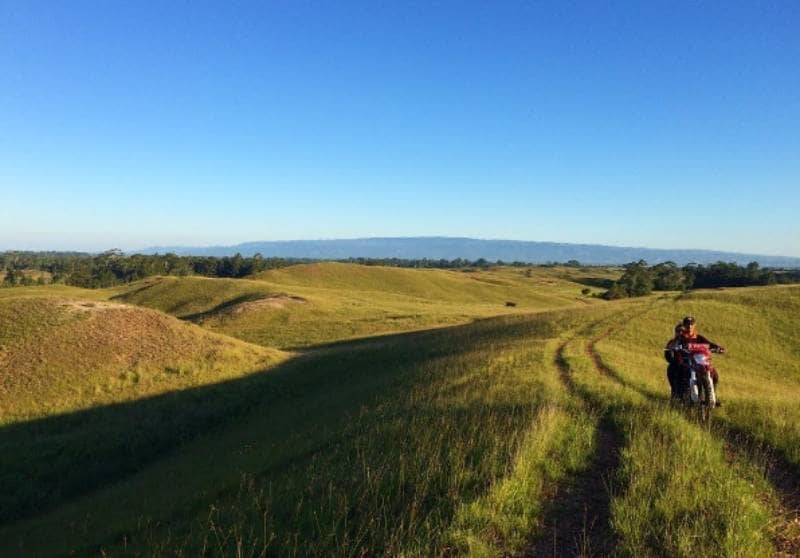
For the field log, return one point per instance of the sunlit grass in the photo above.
(760, 374)
(446, 442)
(62, 354)
(674, 493)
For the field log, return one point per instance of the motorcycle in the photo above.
(698, 385)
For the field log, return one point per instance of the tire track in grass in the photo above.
(578, 517)
(741, 446)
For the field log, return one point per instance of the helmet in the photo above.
(688, 321)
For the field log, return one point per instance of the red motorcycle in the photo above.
(699, 379)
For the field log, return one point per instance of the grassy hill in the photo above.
(521, 434)
(304, 305)
(460, 286)
(60, 354)
(61, 357)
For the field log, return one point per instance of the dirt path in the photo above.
(579, 512)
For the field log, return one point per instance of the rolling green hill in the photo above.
(304, 305)
(61, 354)
(85, 365)
(539, 431)
(459, 286)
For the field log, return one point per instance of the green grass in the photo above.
(760, 374)
(508, 517)
(674, 493)
(669, 456)
(190, 297)
(395, 446)
(452, 441)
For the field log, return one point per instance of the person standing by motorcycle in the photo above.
(690, 335)
(675, 371)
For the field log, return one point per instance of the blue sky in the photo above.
(128, 124)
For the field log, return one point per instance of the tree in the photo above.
(668, 276)
(637, 279)
(615, 292)
(10, 279)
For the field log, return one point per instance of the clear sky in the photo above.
(659, 124)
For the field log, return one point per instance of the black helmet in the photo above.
(688, 321)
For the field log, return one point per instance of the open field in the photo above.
(310, 304)
(542, 430)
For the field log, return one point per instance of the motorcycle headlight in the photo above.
(700, 359)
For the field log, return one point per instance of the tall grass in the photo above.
(438, 443)
(433, 444)
(676, 494)
(760, 374)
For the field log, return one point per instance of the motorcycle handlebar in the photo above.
(718, 350)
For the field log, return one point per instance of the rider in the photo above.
(675, 372)
(690, 335)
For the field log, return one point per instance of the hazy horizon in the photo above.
(160, 245)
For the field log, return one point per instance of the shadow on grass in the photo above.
(228, 304)
(147, 284)
(47, 462)
(598, 282)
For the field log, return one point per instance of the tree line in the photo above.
(641, 279)
(113, 267)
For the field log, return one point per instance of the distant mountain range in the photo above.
(472, 249)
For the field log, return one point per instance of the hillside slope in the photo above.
(476, 286)
(59, 354)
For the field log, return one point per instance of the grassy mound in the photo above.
(534, 287)
(59, 354)
(191, 297)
